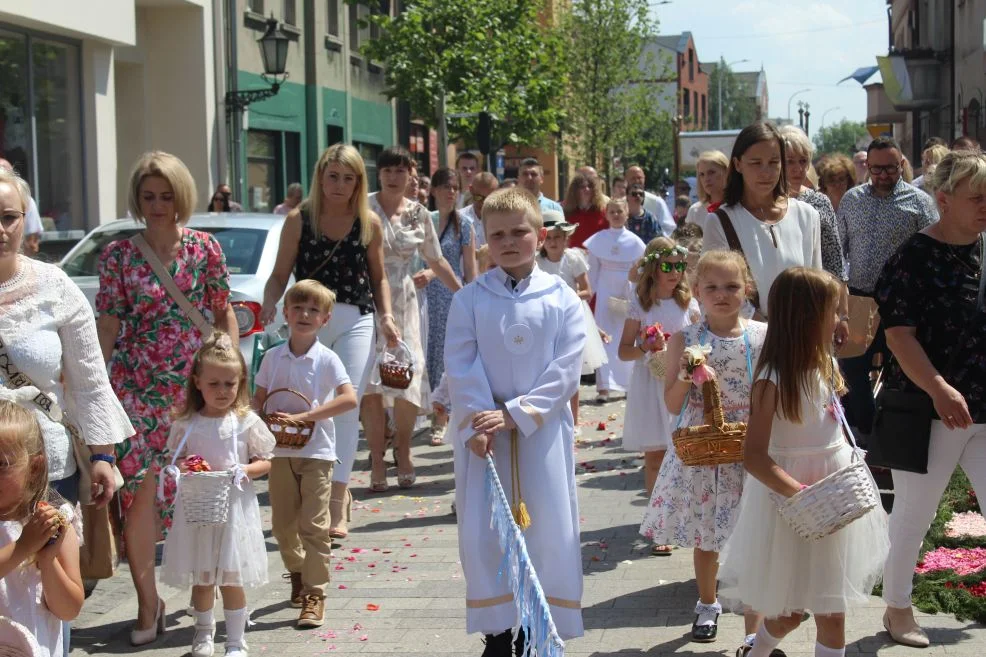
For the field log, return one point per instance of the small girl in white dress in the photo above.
(662, 295)
(39, 543)
(571, 266)
(218, 426)
(697, 506)
(795, 439)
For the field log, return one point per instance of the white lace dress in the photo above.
(697, 506)
(573, 264)
(647, 424)
(235, 553)
(21, 598)
(49, 332)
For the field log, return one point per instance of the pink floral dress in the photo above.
(157, 342)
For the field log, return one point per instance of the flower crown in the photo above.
(655, 256)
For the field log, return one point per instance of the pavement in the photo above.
(398, 588)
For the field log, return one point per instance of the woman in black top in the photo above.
(928, 294)
(336, 239)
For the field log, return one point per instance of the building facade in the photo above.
(685, 90)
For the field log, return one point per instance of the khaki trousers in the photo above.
(299, 498)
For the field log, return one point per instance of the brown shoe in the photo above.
(312, 611)
(296, 588)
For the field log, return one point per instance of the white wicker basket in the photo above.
(17, 641)
(205, 497)
(839, 499)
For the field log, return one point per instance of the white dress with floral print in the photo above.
(697, 506)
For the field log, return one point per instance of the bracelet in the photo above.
(386, 315)
(843, 318)
(641, 347)
(106, 458)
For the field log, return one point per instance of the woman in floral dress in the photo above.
(407, 230)
(154, 342)
(456, 237)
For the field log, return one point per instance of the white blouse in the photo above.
(49, 330)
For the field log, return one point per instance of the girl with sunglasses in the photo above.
(661, 296)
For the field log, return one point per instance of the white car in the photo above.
(249, 242)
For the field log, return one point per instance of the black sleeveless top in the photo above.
(347, 273)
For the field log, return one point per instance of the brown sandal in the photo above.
(661, 550)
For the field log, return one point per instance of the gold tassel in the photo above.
(519, 509)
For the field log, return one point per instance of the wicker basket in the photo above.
(397, 367)
(657, 363)
(205, 496)
(288, 433)
(830, 504)
(716, 442)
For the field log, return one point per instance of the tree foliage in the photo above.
(612, 105)
(841, 137)
(739, 106)
(492, 55)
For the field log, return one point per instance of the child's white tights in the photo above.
(236, 620)
(763, 644)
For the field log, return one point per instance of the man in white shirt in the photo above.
(32, 220)
(467, 166)
(656, 206)
(484, 184)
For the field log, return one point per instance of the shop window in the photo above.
(39, 86)
(333, 134)
(370, 152)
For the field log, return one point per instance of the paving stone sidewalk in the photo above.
(397, 584)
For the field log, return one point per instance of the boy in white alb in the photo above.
(301, 478)
(513, 358)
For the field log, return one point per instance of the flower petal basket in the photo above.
(288, 433)
(205, 496)
(716, 442)
(831, 503)
(396, 367)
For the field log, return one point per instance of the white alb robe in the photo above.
(521, 350)
(611, 254)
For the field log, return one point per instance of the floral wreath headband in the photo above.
(676, 250)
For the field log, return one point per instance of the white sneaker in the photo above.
(235, 650)
(203, 643)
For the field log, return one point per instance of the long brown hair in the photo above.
(598, 201)
(647, 283)
(22, 449)
(442, 178)
(749, 136)
(798, 346)
(217, 350)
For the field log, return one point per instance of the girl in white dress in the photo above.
(662, 295)
(571, 266)
(697, 506)
(611, 255)
(40, 584)
(218, 427)
(795, 439)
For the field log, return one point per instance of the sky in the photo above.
(802, 44)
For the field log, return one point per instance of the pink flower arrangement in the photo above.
(695, 364)
(969, 523)
(962, 560)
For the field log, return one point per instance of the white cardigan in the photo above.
(794, 241)
(50, 332)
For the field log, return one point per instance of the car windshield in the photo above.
(241, 246)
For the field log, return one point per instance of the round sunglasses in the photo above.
(668, 267)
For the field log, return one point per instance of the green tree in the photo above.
(611, 97)
(738, 104)
(494, 55)
(840, 137)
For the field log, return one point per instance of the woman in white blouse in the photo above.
(48, 333)
(774, 232)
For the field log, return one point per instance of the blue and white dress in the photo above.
(440, 297)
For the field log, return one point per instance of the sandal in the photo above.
(378, 485)
(406, 480)
(437, 436)
(661, 550)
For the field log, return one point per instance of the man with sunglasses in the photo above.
(640, 222)
(483, 184)
(875, 219)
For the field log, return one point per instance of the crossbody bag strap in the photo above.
(733, 241)
(43, 401)
(328, 259)
(193, 313)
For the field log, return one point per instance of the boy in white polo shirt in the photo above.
(301, 478)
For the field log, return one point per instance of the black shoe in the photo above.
(498, 645)
(744, 650)
(520, 643)
(705, 633)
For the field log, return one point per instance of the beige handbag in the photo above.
(193, 313)
(864, 320)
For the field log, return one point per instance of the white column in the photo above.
(99, 137)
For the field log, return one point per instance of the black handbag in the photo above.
(902, 423)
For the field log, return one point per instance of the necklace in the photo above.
(961, 261)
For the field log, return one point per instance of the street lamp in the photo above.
(719, 84)
(274, 54)
(825, 113)
(796, 93)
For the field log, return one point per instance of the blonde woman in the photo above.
(149, 342)
(335, 238)
(711, 176)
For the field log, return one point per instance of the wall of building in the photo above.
(695, 83)
(970, 62)
(113, 22)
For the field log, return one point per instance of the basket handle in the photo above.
(277, 390)
(712, 402)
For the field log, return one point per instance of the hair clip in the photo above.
(224, 343)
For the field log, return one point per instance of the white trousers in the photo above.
(351, 336)
(916, 498)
